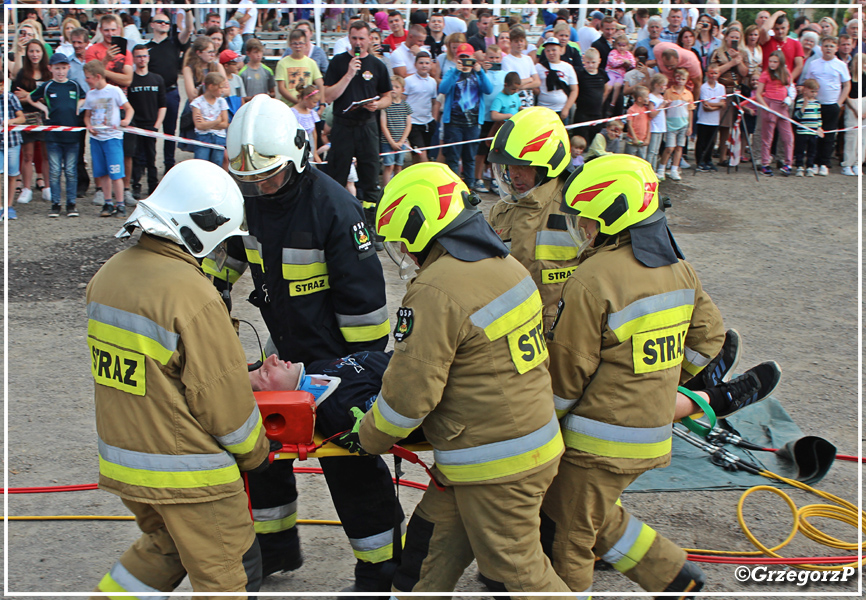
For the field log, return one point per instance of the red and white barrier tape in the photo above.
(792, 121)
(134, 130)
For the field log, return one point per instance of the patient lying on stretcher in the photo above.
(355, 381)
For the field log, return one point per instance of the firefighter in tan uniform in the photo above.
(529, 154)
(629, 314)
(470, 366)
(175, 413)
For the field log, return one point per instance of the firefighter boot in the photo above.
(281, 551)
(690, 579)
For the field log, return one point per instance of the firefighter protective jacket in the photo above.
(318, 281)
(470, 364)
(175, 412)
(535, 231)
(626, 336)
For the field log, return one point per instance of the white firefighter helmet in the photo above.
(266, 146)
(196, 205)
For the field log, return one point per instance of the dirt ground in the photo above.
(779, 257)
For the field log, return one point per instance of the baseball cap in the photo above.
(596, 14)
(232, 23)
(549, 41)
(467, 50)
(227, 56)
(58, 58)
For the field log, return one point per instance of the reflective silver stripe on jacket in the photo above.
(251, 243)
(622, 546)
(554, 238)
(498, 450)
(505, 303)
(233, 263)
(563, 404)
(131, 583)
(241, 434)
(164, 462)
(377, 317)
(298, 256)
(696, 358)
(275, 513)
(132, 322)
(652, 304)
(617, 433)
(374, 542)
(395, 418)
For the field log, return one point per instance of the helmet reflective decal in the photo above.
(649, 192)
(536, 144)
(590, 193)
(388, 213)
(446, 193)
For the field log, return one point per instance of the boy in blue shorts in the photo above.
(102, 118)
(63, 98)
(16, 117)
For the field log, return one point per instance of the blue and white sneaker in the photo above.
(720, 368)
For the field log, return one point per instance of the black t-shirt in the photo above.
(589, 100)
(436, 48)
(477, 42)
(604, 49)
(165, 58)
(62, 102)
(146, 94)
(371, 80)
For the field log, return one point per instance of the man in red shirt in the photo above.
(118, 67)
(779, 40)
(398, 33)
(671, 57)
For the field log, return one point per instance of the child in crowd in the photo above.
(492, 64)
(16, 117)
(507, 102)
(305, 111)
(102, 108)
(396, 123)
(712, 102)
(619, 60)
(210, 114)
(679, 124)
(658, 121)
(63, 99)
(807, 112)
(558, 89)
(258, 78)
(772, 92)
(578, 147)
(231, 62)
(593, 89)
(420, 94)
(638, 139)
(606, 141)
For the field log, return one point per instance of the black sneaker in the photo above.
(749, 388)
(711, 167)
(120, 211)
(720, 368)
(54, 212)
(107, 210)
(71, 210)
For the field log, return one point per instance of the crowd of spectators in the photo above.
(399, 82)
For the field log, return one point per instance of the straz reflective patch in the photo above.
(117, 368)
(309, 286)
(556, 275)
(527, 345)
(660, 349)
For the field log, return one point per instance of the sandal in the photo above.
(40, 186)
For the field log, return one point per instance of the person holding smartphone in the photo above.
(112, 52)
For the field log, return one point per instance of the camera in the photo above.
(705, 25)
(467, 62)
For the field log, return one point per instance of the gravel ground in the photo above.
(779, 257)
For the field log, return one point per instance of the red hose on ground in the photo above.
(766, 560)
(846, 457)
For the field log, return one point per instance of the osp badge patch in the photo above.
(405, 320)
(361, 237)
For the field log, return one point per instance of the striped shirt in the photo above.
(396, 115)
(808, 113)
